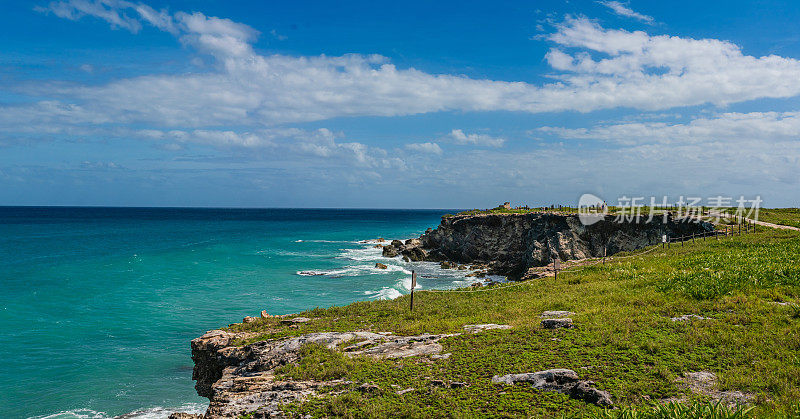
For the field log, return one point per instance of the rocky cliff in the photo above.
(512, 243)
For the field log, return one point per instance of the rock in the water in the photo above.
(448, 265)
(184, 415)
(477, 328)
(559, 380)
(556, 313)
(380, 266)
(557, 323)
(413, 242)
(414, 254)
(390, 251)
(378, 246)
(397, 244)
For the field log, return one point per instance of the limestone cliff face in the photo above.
(241, 380)
(512, 243)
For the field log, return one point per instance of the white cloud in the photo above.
(459, 137)
(623, 10)
(593, 67)
(639, 71)
(112, 11)
(725, 128)
(431, 148)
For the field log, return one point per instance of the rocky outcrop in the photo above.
(559, 380)
(510, 244)
(241, 380)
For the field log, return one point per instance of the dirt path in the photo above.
(761, 223)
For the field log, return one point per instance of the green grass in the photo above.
(671, 410)
(625, 340)
(783, 216)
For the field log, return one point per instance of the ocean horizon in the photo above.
(100, 303)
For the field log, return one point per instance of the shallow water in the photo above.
(98, 305)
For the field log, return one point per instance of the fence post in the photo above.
(413, 285)
(692, 237)
(555, 268)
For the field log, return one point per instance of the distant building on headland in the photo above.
(506, 205)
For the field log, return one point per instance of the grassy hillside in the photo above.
(625, 340)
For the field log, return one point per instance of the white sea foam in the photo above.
(362, 254)
(385, 293)
(157, 412)
(324, 241)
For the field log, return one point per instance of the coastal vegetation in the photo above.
(728, 307)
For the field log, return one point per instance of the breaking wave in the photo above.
(157, 412)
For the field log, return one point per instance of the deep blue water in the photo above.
(98, 305)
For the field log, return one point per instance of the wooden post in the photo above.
(413, 285)
(692, 237)
(556, 265)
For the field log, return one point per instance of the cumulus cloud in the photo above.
(431, 148)
(248, 100)
(625, 11)
(633, 69)
(729, 127)
(459, 137)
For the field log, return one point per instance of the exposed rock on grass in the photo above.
(687, 317)
(559, 380)
(477, 328)
(557, 314)
(705, 383)
(239, 380)
(557, 323)
(296, 320)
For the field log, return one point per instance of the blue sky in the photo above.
(396, 104)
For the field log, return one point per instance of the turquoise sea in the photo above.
(98, 305)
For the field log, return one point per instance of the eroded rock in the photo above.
(557, 323)
(389, 251)
(560, 380)
(477, 328)
(296, 320)
(687, 317)
(241, 380)
(513, 243)
(705, 383)
(556, 314)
